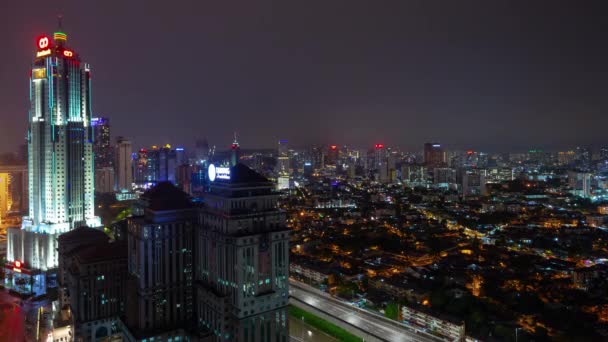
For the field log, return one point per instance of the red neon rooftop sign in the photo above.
(43, 42)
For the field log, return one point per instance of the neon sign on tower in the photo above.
(65, 200)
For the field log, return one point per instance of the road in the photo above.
(366, 321)
(302, 332)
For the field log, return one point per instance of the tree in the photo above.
(392, 311)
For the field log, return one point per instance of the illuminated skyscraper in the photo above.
(283, 171)
(5, 194)
(102, 147)
(242, 259)
(235, 151)
(434, 155)
(60, 160)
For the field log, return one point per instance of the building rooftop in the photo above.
(80, 236)
(165, 196)
(240, 174)
(105, 251)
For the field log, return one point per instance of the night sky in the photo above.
(489, 75)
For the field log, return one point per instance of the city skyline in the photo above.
(323, 172)
(471, 76)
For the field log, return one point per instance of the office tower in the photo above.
(434, 155)
(604, 154)
(15, 178)
(183, 178)
(180, 156)
(60, 161)
(242, 259)
(92, 280)
(140, 167)
(283, 159)
(318, 158)
(160, 302)
(499, 174)
(6, 200)
(583, 156)
(104, 180)
(153, 174)
(566, 157)
(380, 163)
(169, 167)
(124, 167)
(283, 170)
(579, 183)
(414, 175)
(332, 155)
(444, 176)
(474, 183)
(308, 169)
(235, 152)
(102, 146)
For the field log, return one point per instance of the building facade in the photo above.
(104, 180)
(242, 259)
(124, 167)
(434, 155)
(160, 248)
(102, 144)
(92, 277)
(60, 158)
(283, 167)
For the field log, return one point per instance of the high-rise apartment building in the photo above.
(434, 155)
(474, 183)
(242, 259)
(580, 183)
(60, 160)
(566, 157)
(583, 156)
(160, 253)
(140, 167)
(283, 170)
(604, 154)
(124, 166)
(5, 195)
(102, 144)
(105, 180)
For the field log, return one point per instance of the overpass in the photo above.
(372, 326)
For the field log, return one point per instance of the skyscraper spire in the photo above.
(59, 36)
(235, 142)
(236, 153)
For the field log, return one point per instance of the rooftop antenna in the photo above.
(60, 22)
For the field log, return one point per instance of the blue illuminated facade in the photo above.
(60, 155)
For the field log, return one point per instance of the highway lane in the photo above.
(354, 316)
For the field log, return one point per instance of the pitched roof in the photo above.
(165, 196)
(81, 233)
(241, 173)
(103, 252)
